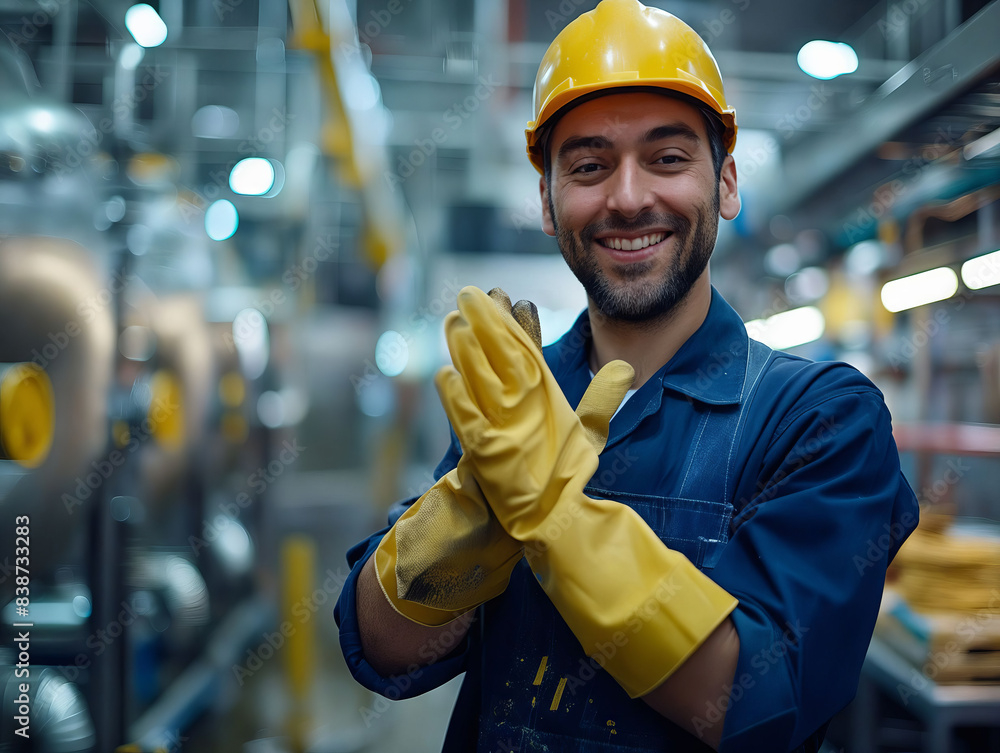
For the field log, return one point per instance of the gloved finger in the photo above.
(601, 400)
(471, 361)
(467, 420)
(501, 299)
(508, 347)
(526, 314)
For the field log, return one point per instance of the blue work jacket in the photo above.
(777, 476)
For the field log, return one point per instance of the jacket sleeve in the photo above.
(419, 679)
(807, 561)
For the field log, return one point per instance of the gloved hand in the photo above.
(447, 553)
(611, 578)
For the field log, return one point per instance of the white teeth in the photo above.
(625, 244)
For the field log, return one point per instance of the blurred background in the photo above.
(229, 233)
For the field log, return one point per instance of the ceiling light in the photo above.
(221, 220)
(789, 328)
(215, 122)
(145, 25)
(391, 353)
(807, 285)
(864, 258)
(782, 260)
(919, 289)
(252, 341)
(130, 56)
(252, 176)
(826, 60)
(982, 271)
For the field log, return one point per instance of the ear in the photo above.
(729, 197)
(548, 226)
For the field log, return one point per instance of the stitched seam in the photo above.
(694, 451)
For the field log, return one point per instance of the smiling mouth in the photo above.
(632, 244)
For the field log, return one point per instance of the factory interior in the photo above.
(230, 232)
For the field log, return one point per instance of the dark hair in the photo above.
(713, 125)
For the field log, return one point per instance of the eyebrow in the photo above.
(659, 133)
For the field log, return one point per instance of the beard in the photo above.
(633, 297)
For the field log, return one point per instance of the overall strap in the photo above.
(710, 474)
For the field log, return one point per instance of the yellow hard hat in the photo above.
(622, 43)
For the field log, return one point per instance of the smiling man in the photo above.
(671, 564)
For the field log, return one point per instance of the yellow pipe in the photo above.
(299, 566)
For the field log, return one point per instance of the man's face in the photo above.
(634, 202)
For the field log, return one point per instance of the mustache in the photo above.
(615, 224)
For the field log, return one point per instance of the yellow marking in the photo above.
(532, 701)
(541, 671)
(558, 696)
(120, 433)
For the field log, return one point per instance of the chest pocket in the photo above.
(698, 529)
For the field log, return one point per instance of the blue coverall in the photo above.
(777, 476)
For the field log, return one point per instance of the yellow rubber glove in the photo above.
(637, 605)
(448, 553)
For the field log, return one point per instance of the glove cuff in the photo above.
(641, 612)
(385, 572)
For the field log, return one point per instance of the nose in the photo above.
(630, 190)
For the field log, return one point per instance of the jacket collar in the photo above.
(710, 366)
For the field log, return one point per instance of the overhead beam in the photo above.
(916, 91)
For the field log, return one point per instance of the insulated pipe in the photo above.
(59, 306)
(59, 719)
(177, 390)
